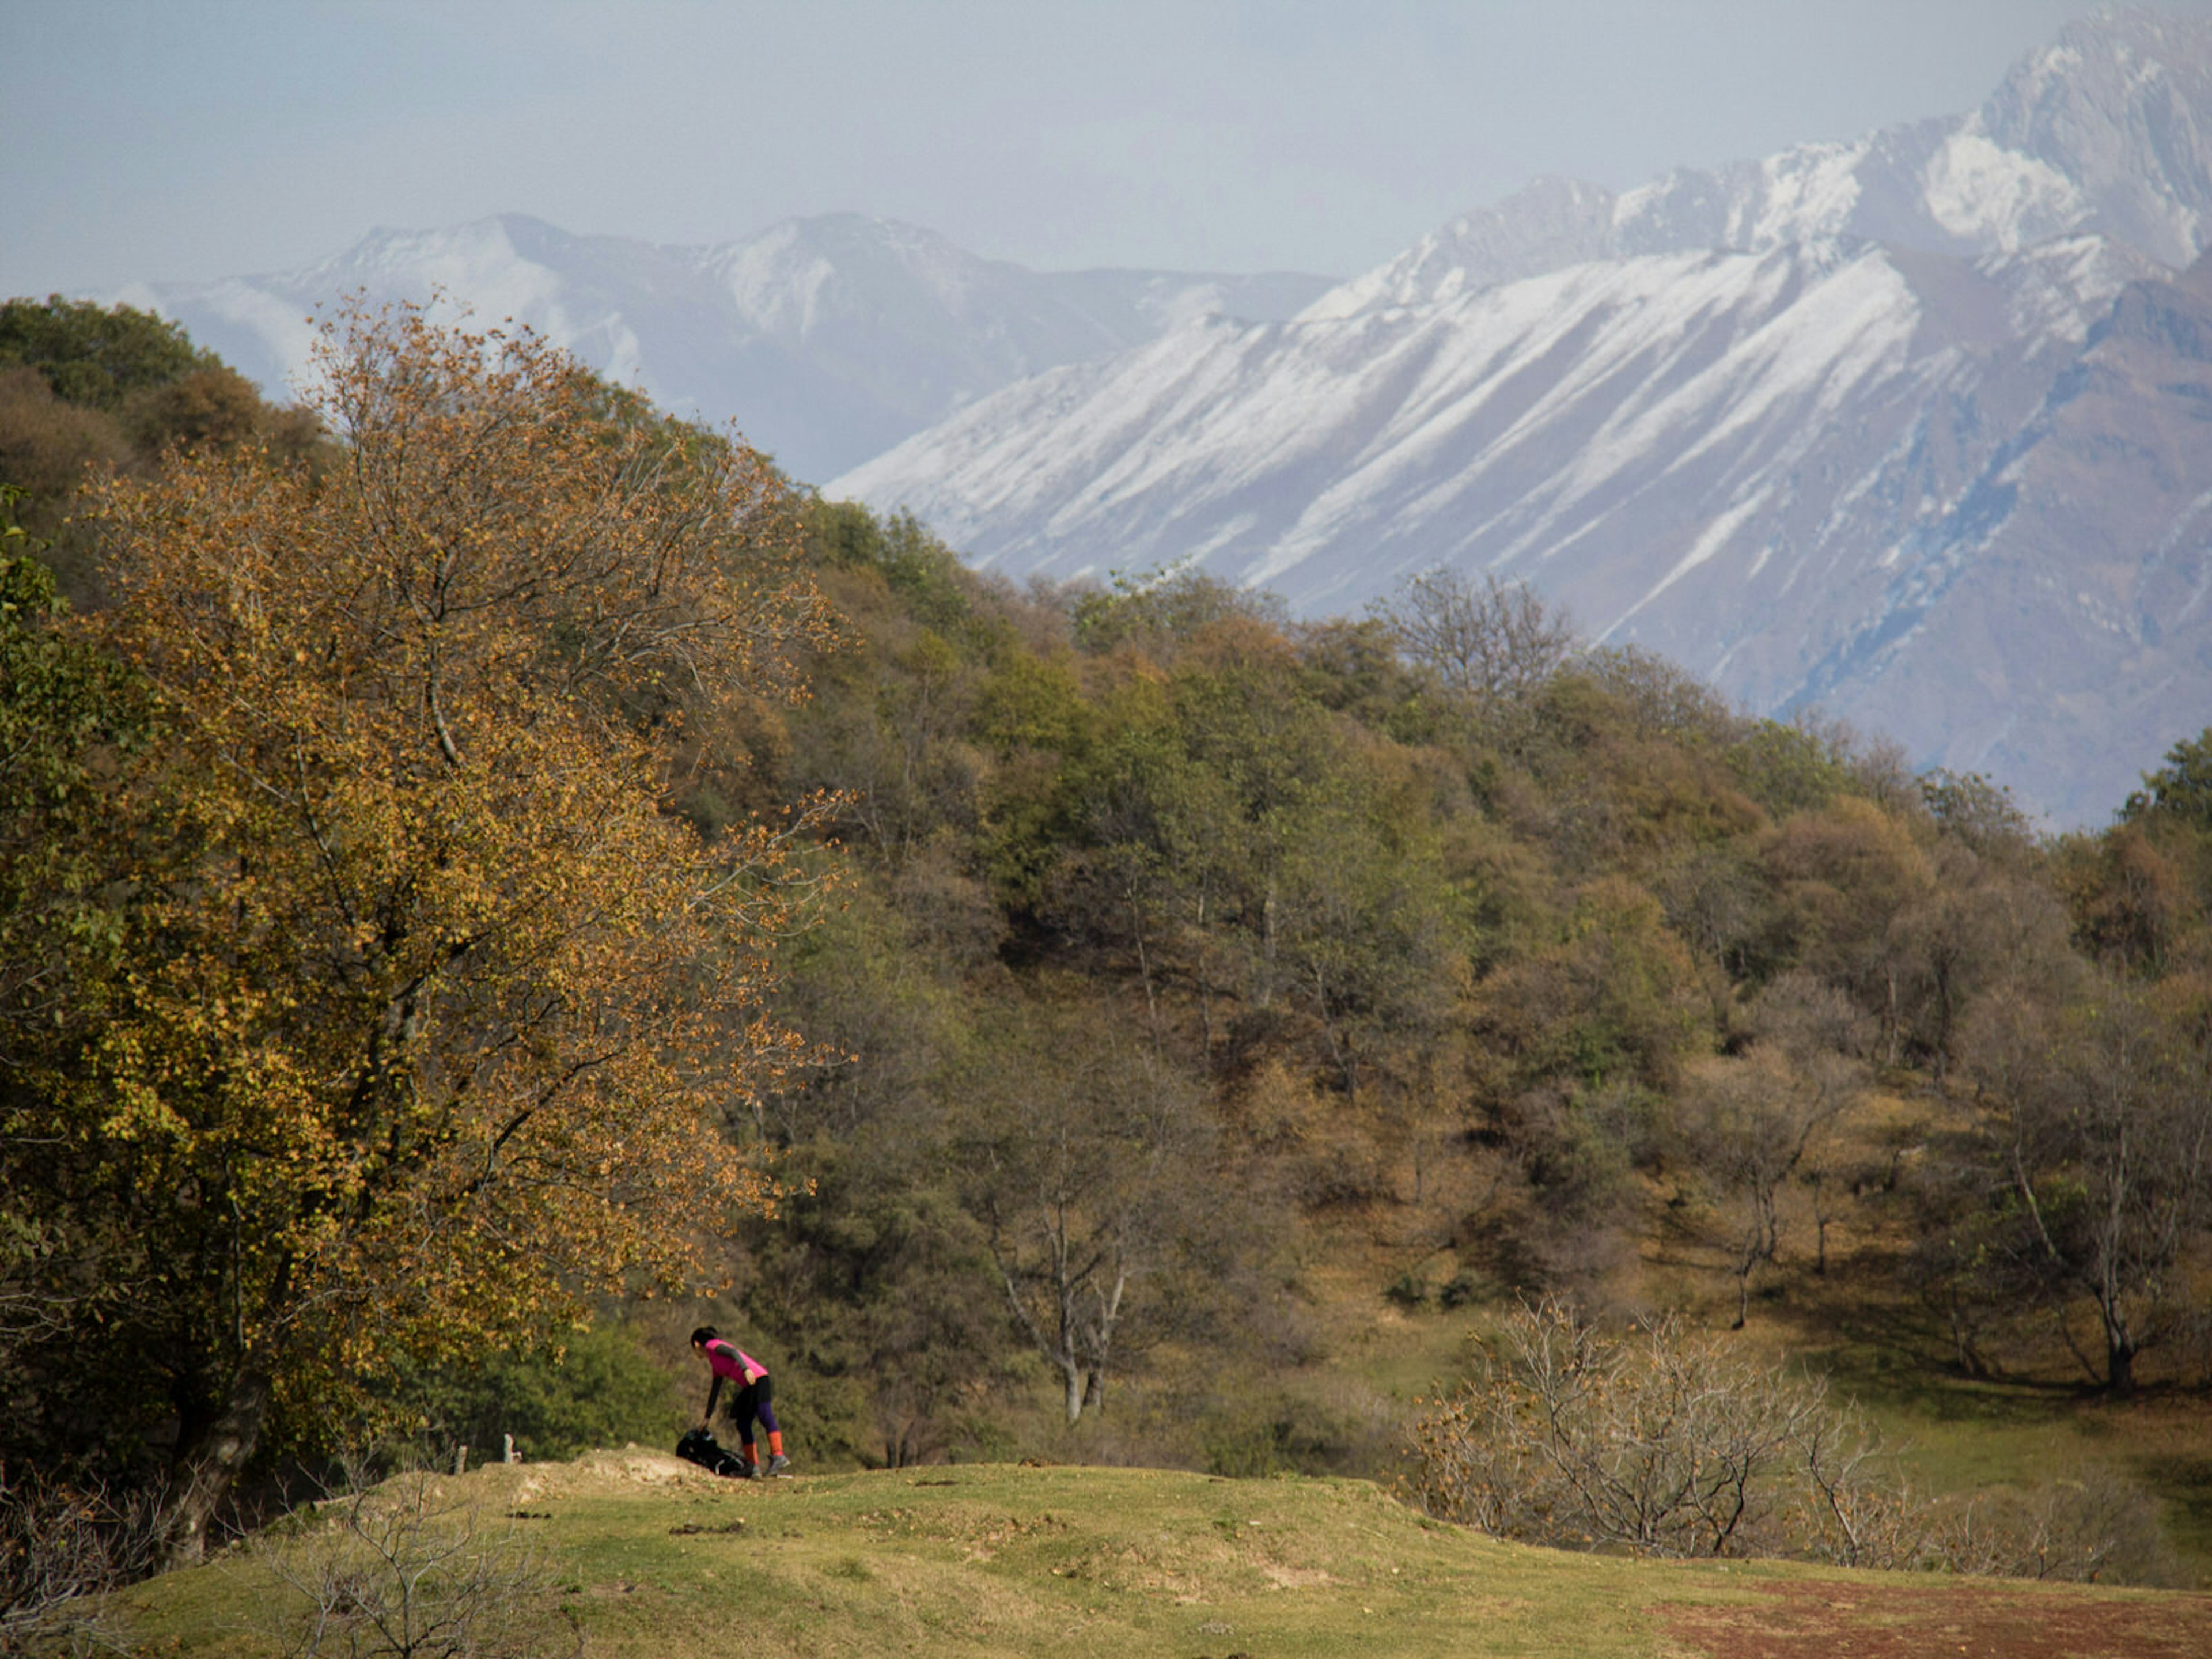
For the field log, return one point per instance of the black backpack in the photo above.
(699, 1446)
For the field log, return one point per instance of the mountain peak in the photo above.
(2117, 105)
(826, 338)
(2097, 131)
(1909, 424)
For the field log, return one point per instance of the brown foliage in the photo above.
(208, 408)
(2131, 896)
(48, 447)
(439, 1006)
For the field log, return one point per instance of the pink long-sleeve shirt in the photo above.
(730, 1360)
(726, 1358)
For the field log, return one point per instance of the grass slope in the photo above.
(651, 1557)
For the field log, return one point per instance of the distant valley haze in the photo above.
(1854, 356)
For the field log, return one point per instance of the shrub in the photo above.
(411, 1567)
(1406, 1290)
(1661, 1443)
(599, 1389)
(1462, 1288)
(1249, 1438)
(2094, 1526)
(62, 1548)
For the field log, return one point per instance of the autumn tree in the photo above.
(871, 1280)
(47, 444)
(86, 390)
(68, 715)
(430, 1009)
(1716, 901)
(1750, 1125)
(99, 356)
(2182, 788)
(2096, 1156)
(1609, 998)
(1161, 611)
(1848, 875)
(1978, 811)
(1366, 924)
(1488, 642)
(1173, 813)
(1091, 1164)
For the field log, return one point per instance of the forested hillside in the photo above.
(1901, 427)
(500, 861)
(87, 391)
(1184, 939)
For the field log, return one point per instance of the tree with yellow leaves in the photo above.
(433, 1011)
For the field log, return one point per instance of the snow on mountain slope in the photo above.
(825, 339)
(1773, 468)
(2058, 613)
(1608, 430)
(2098, 132)
(1783, 421)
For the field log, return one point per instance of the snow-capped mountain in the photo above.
(1903, 427)
(2103, 131)
(824, 339)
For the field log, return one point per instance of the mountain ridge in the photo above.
(1785, 475)
(1715, 416)
(825, 339)
(2068, 142)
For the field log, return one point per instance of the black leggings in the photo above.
(756, 1398)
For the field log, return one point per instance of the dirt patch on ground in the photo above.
(1822, 1620)
(1284, 1577)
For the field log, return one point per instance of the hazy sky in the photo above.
(185, 139)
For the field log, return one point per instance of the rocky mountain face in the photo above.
(2098, 133)
(826, 340)
(1911, 428)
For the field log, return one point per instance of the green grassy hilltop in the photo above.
(640, 1554)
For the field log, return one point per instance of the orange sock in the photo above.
(775, 1442)
(753, 1454)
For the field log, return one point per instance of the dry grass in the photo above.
(651, 1557)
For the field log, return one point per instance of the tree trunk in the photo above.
(2120, 1366)
(1143, 964)
(1077, 1384)
(208, 1460)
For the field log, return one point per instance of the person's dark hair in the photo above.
(704, 1334)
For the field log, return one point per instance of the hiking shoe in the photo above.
(777, 1464)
